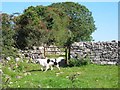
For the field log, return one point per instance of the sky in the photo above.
(105, 15)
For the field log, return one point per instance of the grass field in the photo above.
(88, 76)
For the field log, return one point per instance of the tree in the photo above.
(6, 23)
(49, 24)
(7, 32)
(41, 25)
(7, 36)
(82, 23)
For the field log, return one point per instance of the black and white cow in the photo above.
(49, 63)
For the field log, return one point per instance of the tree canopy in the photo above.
(38, 25)
(59, 23)
(82, 23)
(7, 36)
(7, 32)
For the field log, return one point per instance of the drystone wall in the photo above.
(98, 52)
(39, 52)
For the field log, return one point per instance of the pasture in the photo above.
(29, 75)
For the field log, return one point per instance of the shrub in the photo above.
(9, 51)
(79, 62)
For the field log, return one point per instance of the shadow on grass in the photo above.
(34, 70)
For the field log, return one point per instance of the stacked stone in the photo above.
(99, 52)
(38, 52)
(34, 53)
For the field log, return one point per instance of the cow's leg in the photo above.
(47, 67)
(58, 66)
(41, 69)
(51, 67)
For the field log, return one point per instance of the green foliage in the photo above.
(41, 25)
(6, 22)
(79, 62)
(8, 51)
(49, 24)
(7, 37)
(73, 78)
(54, 55)
(60, 24)
(7, 31)
(82, 24)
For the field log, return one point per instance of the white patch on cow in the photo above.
(60, 58)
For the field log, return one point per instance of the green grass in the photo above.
(54, 55)
(89, 76)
